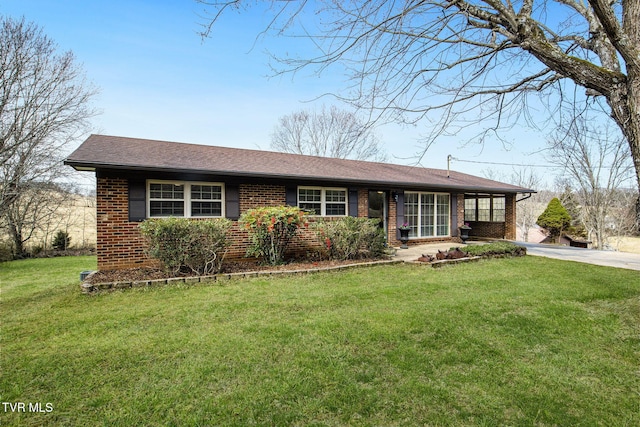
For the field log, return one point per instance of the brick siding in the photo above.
(120, 244)
(363, 203)
(487, 229)
(261, 195)
(392, 228)
(510, 217)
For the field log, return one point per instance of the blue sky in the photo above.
(159, 80)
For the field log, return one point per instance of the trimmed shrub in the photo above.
(61, 241)
(271, 229)
(496, 248)
(351, 238)
(182, 244)
(555, 219)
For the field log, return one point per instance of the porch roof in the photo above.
(102, 152)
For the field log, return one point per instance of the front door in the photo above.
(378, 207)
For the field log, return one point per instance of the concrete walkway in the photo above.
(590, 256)
(415, 252)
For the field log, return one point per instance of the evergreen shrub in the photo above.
(352, 238)
(554, 219)
(496, 248)
(61, 241)
(182, 244)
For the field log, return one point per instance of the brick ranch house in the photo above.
(139, 179)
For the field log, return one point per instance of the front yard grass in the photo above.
(522, 341)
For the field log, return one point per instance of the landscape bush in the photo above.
(6, 250)
(61, 241)
(495, 248)
(554, 219)
(198, 246)
(351, 238)
(271, 230)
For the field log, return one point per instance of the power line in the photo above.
(503, 164)
(520, 164)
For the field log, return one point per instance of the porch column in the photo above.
(510, 217)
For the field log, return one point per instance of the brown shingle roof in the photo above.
(112, 152)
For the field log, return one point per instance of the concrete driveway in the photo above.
(590, 256)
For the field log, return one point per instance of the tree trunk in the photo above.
(18, 243)
(632, 128)
(636, 229)
(624, 100)
(625, 106)
(630, 19)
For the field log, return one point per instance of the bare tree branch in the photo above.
(598, 168)
(44, 106)
(437, 61)
(327, 133)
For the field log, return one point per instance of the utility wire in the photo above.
(503, 164)
(517, 164)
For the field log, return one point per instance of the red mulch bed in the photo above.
(146, 273)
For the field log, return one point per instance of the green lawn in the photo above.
(524, 341)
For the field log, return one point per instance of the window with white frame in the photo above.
(323, 201)
(485, 207)
(185, 199)
(427, 214)
(470, 209)
(498, 209)
(442, 215)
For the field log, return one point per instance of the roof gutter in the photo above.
(527, 196)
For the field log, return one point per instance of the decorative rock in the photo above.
(87, 288)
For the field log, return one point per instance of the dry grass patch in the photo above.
(627, 244)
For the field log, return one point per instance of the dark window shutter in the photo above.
(399, 211)
(232, 202)
(353, 202)
(454, 215)
(137, 200)
(291, 197)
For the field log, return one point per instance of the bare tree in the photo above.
(37, 210)
(58, 208)
(409, 59)
(531, 206)
(622, 217)
(44, 106)
(327, 133)
(597, 167)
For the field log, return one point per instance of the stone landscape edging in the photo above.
(90, 288)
